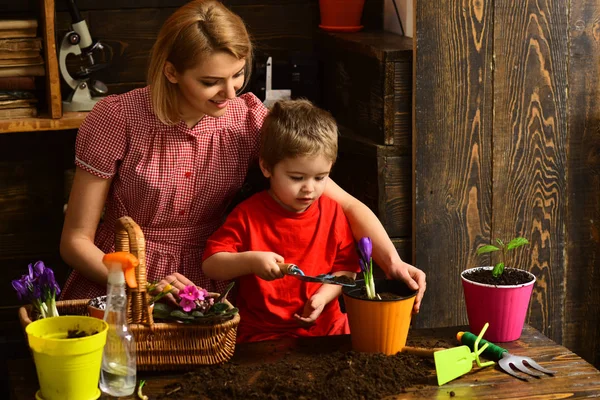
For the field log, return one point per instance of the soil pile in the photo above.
(331, 376)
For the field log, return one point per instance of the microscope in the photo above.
(86, 91)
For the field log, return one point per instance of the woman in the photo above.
(173, 154)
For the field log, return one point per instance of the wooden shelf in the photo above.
(69, 120)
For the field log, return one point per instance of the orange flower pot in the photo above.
(379, 326)
(341, 15)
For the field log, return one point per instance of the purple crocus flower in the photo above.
(365, 248)
(21, 288)
(363, 267)
(39, 287)
(39, 268)
(48, 282)
(31, 274)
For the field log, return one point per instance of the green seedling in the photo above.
(513, 244)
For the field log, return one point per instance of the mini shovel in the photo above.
(505, 359)
(296, 272)
(453, 362)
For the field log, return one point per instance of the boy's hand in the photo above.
(264, 265)
(412, 276)
(312, 309)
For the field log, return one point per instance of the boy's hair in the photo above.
(195, 31)
(295, 128)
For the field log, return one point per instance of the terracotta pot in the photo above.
(341, 15)
(379, 326)
(504, 307)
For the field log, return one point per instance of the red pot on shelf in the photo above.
(341, 15)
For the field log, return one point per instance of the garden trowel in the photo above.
(296, 272)
(453, 362)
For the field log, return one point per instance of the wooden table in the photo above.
(575, 378)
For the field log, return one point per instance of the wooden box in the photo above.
(379, 176)
(367, 84)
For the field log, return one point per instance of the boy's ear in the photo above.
(263, 167)
(170, 72)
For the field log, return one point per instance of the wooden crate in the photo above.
(379, 176)
(367, 84)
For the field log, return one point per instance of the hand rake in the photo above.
(505, 359)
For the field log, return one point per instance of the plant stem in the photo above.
(52, 310)
(369, 281)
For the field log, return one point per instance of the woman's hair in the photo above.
(195, 31)
(296, 128)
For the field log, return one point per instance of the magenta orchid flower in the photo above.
(187, 304)
(190, 292)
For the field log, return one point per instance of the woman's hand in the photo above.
(176, 281)
(412, 276)
(312, 309)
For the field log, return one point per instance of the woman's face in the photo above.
(207, 88)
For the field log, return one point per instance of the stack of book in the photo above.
(20, 63)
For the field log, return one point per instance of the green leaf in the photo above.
(223, 295)
(232, 311)
(498, 269)
(181, 315)
(517, 242)
(197, 314)
(500, 242)
(161, 311)
(219, 308)
(487, 249)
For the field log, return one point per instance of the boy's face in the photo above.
(298, 182)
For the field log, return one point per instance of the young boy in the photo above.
(292, 223)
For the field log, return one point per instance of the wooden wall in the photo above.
(506, 142)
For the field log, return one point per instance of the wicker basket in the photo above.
(160, 346)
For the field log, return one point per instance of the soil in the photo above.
(76, 333)
(344, 279)
(382, 296)
(98, 302)
(510, 276)
(332, 376)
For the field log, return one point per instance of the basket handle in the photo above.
(129, 237)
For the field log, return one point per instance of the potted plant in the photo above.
(341, 15)
(498, 294)
(196, 305)
(379, 310)
(67, 350)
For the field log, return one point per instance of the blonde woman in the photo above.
(173, 154)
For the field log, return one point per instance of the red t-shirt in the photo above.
(318, 240)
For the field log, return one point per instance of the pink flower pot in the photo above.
(504, 307)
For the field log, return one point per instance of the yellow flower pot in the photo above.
(379, 326)
(67, 369)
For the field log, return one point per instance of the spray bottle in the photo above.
(118, 374)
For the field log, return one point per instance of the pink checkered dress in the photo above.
(175, 182)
